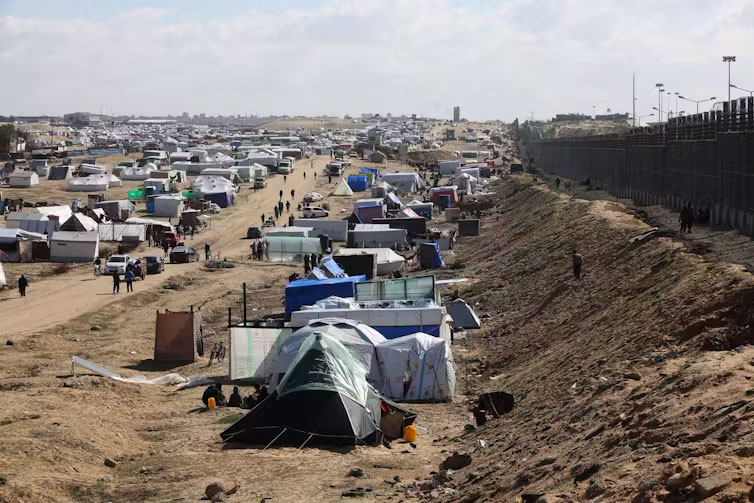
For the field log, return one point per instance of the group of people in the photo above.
(567, 185)
(235, 399)
(311, 261)
(687, 217)
(258, 249)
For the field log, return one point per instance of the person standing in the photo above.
(281, 194)
(285, 178)
(166, 247)
(23, 283)
(116, 282)
(207, 251)
(578, 262)
(129, 280)
(557, 183)
(307, 264)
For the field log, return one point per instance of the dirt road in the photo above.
(63, 297)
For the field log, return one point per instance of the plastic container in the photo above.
(211, 402)
(410, 433)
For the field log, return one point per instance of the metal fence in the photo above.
(706, 160)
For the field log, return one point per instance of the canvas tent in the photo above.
(20, 179)
(176, 335)
(387, 260)
(417, 367)
(74, 246)
(60, 172)
(360, 340)
(323, 399)
(342, 189)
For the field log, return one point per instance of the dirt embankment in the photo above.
(633, 384)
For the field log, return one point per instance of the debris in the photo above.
(356, 472)
(482, 444)
(581, 472)
(708, 486)
(214, 488)
(745, 451)
(218, 498)
(456, 461)
(9, 342)
(469, 428)
(354, 493)
(595, 489)
(634, 376)
(109, 462)
(95, 328)
(677, 481)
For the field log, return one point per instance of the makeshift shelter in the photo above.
(3, 281)
(23, 179)
(377, 157)
(31, 221)
(138, 173)
(337, 230)
(367, 214)
(422, 208)
(360, 342)
(414, 226)
(93, 183)
(373, 171)
(405, 183)
(290, 248)
(448, 167)
(74, 246)
(358, 183)
(463, 315)
(117, 209)
(79, 223)
(176, 336)
(387, 260)
(306, 292)
(92, 169)
(429, 256)
(61, 172)
(381, 190)
(289, 231)
(342, 189)
(376, 236)
(323, 399)
(216, 189)
(168, 206)
(437, 192)
(417, 367)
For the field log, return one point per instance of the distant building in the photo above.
(612, 117)
(456, 114)
(571, 117)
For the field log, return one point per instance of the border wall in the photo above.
(704, 159)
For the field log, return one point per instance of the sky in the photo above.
(496, 59)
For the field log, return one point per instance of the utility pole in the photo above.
(729, 60)
(633, 100)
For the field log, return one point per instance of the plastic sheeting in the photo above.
(290, 248)
(306, 292)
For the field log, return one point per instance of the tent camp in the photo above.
(176, 335)
(417, 367)
(342, 189)
(324, 399)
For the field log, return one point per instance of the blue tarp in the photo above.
(374, 171)
(445, 201)
(222, 199)
(305, 292)
(366, 214)
(319, 273)
(429, 256)
(425, 211)
(332, 268)
(358, 183)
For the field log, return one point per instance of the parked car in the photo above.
(155, 264)
(315, 212)
(117, 264)
(260, 182)
(254, 232)
(183, 254)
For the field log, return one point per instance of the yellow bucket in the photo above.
(211, 402)
(410, 433)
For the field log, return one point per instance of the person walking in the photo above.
(23, 283)
(578, 262)
(307, 264)
(293, 193)
(329, 178)
(288, 206)
(116, 282)
(207, 251)
(260, 250)
(276, 212)
(281, 194)
(285, 178)
(262, 219)
(129, 277)
(166, 247)
(304, 175)
(557, 183)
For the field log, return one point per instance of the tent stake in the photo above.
(306, 441)
(273, 440)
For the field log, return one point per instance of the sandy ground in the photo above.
(62, 427)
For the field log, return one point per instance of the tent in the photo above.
(290, 248)
(61, 172)
(79, 223)
(323, 399)
(3, 281)
(387, 260)
(360, 340)
(342, 189)
(429, 256)
(463, 315)
(216, 189)
(74, 246)
(381, 189)
(305, 292)
(176, 335)
(358, 183)
(20, 179)
(168, 206)
(417, 367)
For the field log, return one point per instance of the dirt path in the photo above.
(60, 298)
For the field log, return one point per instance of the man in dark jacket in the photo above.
(22, 284)
(116, 282)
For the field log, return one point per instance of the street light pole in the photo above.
(729, 60)
(751, 93)
(659, 99)
(697, 101)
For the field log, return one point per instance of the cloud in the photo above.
(495, 60)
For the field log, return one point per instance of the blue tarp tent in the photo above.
(429, 256)
(374, 171)
(305, 292)
(358, 183)
(445, 201)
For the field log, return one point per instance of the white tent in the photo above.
(74, 246)
(342, 189)
(168, 206)
(93, 183)
(20, 179)
(92, 169)
(3, 282)
(417, 367)
(138, 173)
